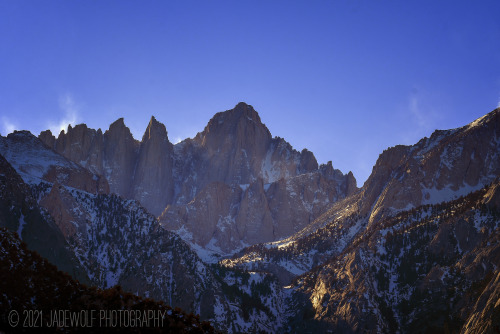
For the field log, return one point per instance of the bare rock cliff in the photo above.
(153, 183)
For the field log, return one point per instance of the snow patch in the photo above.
(208, 254)
(22, 223)
(269, 170)
(435, 196)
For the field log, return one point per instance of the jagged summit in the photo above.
(20, 135)
(120, 122)
(243, 105)
(241, 122)
(155, 129)
(118, 128)
(248, 111)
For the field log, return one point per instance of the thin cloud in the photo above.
(416, 111)
(423, 116)
(71, 115)
(8, 126)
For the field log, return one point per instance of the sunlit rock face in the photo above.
(224, 217)
(426, 269)
(445, 166)
(271, 189)
(235, 148)
(263, 188)
(485, 314)
(139, 170)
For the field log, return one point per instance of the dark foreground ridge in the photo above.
(35, 295)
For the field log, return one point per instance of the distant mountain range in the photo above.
(252, 235)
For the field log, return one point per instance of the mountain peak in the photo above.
(233, 122)
(243, 107)
(47, 138)
(245, 110)
(490, 117)
(20, 134)
(118, 130)
(241, 111)
(155, 128)
(119, 123)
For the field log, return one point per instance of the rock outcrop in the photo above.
(112, 155)
(35, 163)
(234, 143)
(227, 217)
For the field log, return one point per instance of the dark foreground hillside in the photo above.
(35, 294)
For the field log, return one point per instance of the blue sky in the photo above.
(345, 79)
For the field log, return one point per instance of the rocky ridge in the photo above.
(262, 188)
(445, 166)
(36, 163)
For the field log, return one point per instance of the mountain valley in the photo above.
(238, 227)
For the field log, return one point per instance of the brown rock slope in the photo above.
(20, 213)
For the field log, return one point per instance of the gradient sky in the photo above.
(345, 79)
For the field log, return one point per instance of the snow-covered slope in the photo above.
(119, 242)
(35, 162)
